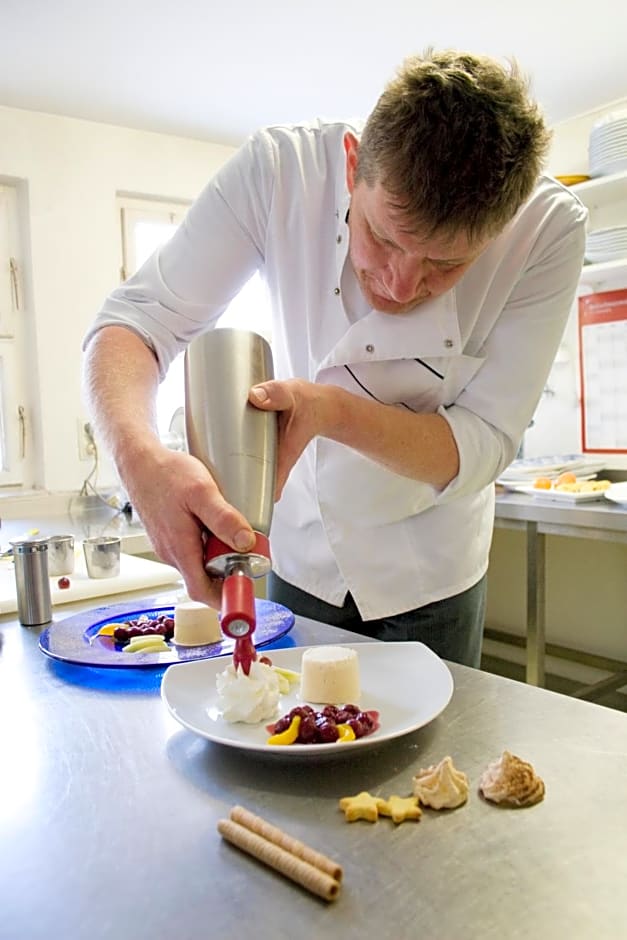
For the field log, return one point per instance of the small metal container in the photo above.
(102, 556)
(30, 557)
(60, 555)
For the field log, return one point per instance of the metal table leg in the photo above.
(535, 605)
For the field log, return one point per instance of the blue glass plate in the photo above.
(75, 640)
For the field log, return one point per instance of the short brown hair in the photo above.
(456, 142)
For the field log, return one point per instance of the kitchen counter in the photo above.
(581, 519)
(136, 573)
(535, 516)
(538, 517)
(82, 523)
(109, 809)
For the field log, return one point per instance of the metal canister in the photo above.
(32, 582)
(236, 441)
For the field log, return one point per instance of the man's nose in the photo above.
(403, 282)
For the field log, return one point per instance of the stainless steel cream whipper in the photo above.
(237, 443)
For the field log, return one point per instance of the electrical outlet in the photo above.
(85, 442)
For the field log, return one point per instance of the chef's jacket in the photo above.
(478, 355)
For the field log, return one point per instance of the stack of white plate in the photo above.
(607, 147)
(526, 469)
(607, 244)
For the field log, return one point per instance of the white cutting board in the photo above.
(135, 574)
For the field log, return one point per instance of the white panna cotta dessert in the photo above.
(195, 624)
(330, 675)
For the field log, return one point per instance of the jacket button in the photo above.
(338, 239)
(369, 348)
(448, 343)
(336, 291)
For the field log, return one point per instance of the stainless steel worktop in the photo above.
(109, 809)
(581, 518)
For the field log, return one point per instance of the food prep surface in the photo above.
(111, 810)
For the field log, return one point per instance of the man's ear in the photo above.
(351, 148)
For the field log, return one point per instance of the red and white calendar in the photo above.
(603, 371)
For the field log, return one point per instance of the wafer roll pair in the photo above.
(275, 848)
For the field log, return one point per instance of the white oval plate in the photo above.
(405, 682)
(561, 496)
(617, 493)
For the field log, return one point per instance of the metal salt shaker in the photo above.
(30, 557)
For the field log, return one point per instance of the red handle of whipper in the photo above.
(238, 605)
(218, 556)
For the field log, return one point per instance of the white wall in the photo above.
(72, 171)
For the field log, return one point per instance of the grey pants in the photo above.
(452, 627)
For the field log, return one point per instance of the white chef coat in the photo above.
(479, 355)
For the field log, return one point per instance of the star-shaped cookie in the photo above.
(362, 806)
(399, 808)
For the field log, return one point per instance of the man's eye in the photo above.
(445, 266)
(380, 240)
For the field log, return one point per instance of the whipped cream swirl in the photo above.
(249, 698)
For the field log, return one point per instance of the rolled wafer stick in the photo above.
(304, 874)
(273, 834)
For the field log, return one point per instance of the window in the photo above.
(14, 459)
(147, 224)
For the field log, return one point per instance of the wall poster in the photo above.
(603, 371)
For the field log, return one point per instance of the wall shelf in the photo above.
(592, 274)
(597, 192)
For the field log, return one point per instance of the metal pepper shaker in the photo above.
(30, 557)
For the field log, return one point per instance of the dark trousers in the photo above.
(452, 627)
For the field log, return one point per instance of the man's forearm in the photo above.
(419, 446)
(120, 381)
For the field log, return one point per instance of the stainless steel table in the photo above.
(537, 518)
(109, 809)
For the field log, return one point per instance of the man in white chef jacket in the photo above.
(421, 271)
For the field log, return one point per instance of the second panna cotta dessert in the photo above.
(330, 675)
(195, 624)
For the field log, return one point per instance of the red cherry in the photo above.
(63, 583)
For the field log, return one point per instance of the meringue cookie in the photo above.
(249, 698)
(441, 786)
(511, 781)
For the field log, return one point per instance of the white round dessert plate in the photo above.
(405, 682)
(617, 493)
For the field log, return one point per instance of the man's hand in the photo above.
(174, 494)
(176, 499)
(420, 445)
(300, 407)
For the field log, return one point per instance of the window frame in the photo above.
(135, 210)
(16, 445)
